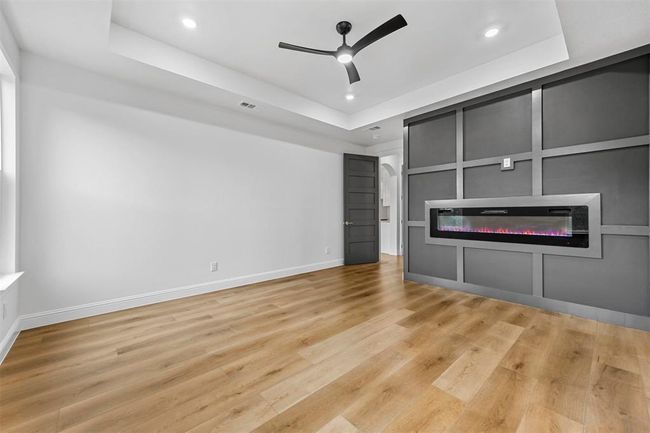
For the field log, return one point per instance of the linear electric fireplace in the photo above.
(567, 224)
(546, 225)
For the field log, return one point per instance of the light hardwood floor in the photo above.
(344, 350)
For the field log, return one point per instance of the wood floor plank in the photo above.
(338, 425)
(380, 404)
(569, 358)
(467, 374)
(315, 411)
(613, 405)
(565, 399)
(499, 406)
(235, 403)
(288, 392)
(524, 359)
(538, 419)
(352, 349)
(326, 348)
(434, 412)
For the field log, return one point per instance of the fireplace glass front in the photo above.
(560, 226)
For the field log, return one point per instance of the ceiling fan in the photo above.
(345, 53)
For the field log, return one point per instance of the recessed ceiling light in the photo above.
(349, 96)
(189, 23)
(491, 32)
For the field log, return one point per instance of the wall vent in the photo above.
(248, 105)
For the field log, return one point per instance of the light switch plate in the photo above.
(507, 164)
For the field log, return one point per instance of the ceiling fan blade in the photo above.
(305, 49)
(353, 74)
(393, 24)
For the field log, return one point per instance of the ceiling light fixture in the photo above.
(344, 57)
(491, 32)
(349, 96)
(189, 23)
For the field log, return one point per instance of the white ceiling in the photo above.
(233, 54)
(442, 39)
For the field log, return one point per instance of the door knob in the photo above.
(348, 223)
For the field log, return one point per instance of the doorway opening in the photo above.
(390, 204)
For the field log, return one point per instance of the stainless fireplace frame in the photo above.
(592, 201)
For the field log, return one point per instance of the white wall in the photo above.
(119, 201)
(394, 147)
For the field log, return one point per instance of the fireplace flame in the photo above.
(503, 231)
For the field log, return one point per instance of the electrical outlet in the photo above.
(214, 266)
(327, 250)
(507, 164)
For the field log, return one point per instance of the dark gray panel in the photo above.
(361, 198)
(618, 281)
(490, 181)
(432, 260)
(361, 182)
(363, 252)
(499, 127)
(359, 233)
(605, 104)
(361, 165)
(620, 176)
(429, 186)
(505, 270)
(361, 214)
(433, 141)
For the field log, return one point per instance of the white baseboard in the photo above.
(9, 339)
(34, 320)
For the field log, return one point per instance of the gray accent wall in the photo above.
(436, 141)
(580, 131)
(489, 181)
(619, 281)
(482, 139)
(437, 185)
(439, 261)
(507, 270)
(619, 175)
(603, 104)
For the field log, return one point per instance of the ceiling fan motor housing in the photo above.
(343, 27)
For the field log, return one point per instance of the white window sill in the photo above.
(6, 280)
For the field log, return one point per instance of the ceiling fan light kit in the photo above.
(345, 53)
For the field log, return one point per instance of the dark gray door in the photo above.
(361, 208)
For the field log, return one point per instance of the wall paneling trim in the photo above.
(585, 130)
